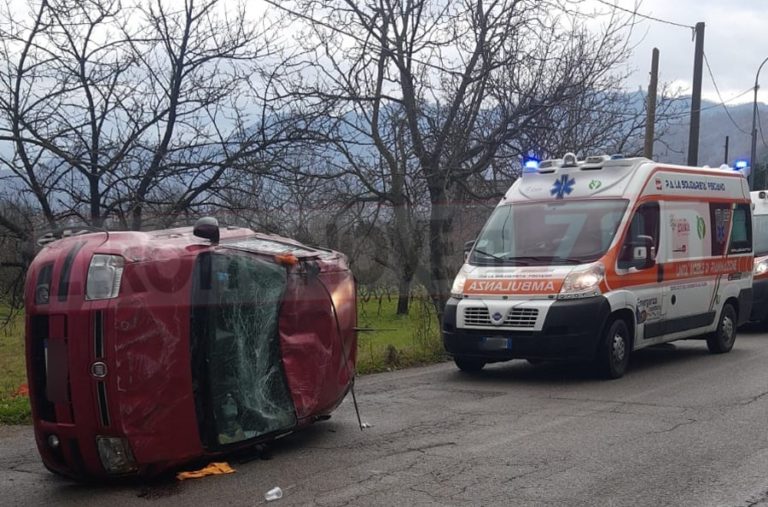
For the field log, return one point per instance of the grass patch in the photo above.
(14, 407)
(398, 341)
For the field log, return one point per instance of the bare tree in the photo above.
(113, 111)
(468, 79)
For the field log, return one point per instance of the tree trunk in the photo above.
(404, 293)
(95, 200)
(440, 249)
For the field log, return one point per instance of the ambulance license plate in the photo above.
(495, 343)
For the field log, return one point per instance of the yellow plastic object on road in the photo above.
(211, 469)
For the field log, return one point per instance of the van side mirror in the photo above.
(207, 228)
(468, 245)
(643, 255)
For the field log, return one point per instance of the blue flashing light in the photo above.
(741, 164)
(530, 165)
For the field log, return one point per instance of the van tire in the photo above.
(613, 352)
(722, 340)
(469, 364)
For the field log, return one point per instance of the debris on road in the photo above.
(212, 469)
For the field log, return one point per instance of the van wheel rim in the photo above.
(728, 331)
(618, 348)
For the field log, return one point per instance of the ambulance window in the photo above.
(645, 222)
(741, 231)
(719, 219)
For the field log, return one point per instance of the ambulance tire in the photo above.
(724, 337)
(613, 352)
(468, 364)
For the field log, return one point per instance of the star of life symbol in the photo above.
(721, 223)
(562, 186)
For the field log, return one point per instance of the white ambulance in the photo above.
(590, 260)
(760, 236)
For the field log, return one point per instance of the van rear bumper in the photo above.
(571, 331)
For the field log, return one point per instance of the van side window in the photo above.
(720, 220)
(645, 222)
(741, 231)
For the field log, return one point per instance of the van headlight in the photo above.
(761, 266)
(457, 290)
(583, 283)
(116, 455)
(104, 276)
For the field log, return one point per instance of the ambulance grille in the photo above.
(517, 317)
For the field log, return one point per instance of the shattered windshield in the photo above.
(548, 233)
(240, 387)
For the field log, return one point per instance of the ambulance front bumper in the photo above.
(570, 330)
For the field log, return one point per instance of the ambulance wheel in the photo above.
(613, 353)
(723, 338)
(469, 364)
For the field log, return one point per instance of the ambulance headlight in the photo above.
(104, 276)
(583, 283)
(115, 455)
(457, 290)
(761, 266)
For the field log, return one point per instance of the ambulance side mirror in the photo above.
(643, 255)
(468, 248)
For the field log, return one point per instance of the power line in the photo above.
(645, 16)
(712, 77)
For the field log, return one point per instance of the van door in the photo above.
(638, 270)
(696, 235)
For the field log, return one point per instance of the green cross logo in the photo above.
(701, 227)
(595, 184)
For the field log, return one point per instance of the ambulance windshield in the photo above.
(760, 235)
(547, 233)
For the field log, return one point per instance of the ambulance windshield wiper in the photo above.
(488, 254)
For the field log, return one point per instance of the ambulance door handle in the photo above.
(674, 299)
(660, 273)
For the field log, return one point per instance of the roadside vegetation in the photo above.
(391, 341)
(14, 402)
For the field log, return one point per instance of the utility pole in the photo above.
(698, 61)
(725, 160)
(650, 121)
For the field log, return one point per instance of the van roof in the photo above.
(627, 178)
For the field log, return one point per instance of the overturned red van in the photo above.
(148, 350)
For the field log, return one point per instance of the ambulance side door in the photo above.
(638, 275)
(694, 233)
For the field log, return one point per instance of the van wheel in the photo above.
(613, 353)
(469, 364)
(723, 338)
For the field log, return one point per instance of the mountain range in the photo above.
(716, 124)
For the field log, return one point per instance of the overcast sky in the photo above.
(735, 42)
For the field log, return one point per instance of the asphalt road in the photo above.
(683, 427)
